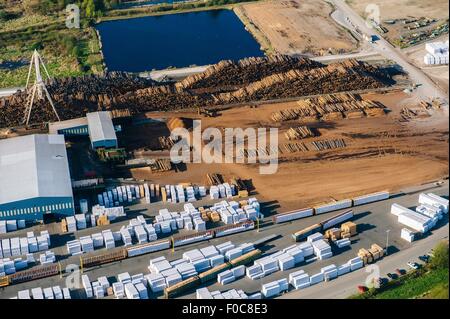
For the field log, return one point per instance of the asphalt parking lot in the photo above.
(373, 221)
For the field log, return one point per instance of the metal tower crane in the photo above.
(38, 89)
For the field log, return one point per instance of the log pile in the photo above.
(343, 76)
(328, 144)
(300, 132)
(214, 179)
(257, 79)
(331, 107)
(228, 73)
(161, 165)
(73, 97)
(165, 142)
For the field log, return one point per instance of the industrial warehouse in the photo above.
(36, 174)
(102, 197)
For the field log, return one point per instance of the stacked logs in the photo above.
(258, 79)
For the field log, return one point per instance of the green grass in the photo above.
(430, 281)
(416, 286)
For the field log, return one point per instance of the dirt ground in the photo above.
(297, 26)
(381, 153)
(438, 73)
(399, 9)
(404, 9)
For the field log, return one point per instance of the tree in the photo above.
(439, 260)
(89, 7)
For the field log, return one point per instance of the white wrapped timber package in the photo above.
(254, 272)
(268, 265)
(233, 253)
(24, 294)
(344, 269)
(224, 247)
(189, 240)
(329, 207)
(315, 279)
(48, 293)
(225, 277)
(87, 286)
(142, 291)
(203, 293)
(415, 221)
(66, 293)
(148, 248)
(407, 235)
(37, 293)
(81, 221)
(156, 282)
(97, 240)
(422, 209)
(130, 291)
(118, 290)
(397, 209)
(301, 281)
(71, 224)
(341, 243)
(201, 265)
(307, 249)
(6, 247)
(434, 200)
(285, 262)
(356, 263)
(329, 272)
(193, 255)
(322, 249)
(370, 198)
(3, 229)
(274, 288)
(296, 253)
(11, 225)
(314, 237)
(293, 215)
(337, 219)
(216, 260)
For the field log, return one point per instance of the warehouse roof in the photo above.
(101, 127)
(34, 166)
(54, 127)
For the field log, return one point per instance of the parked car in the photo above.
(379, 281)
(425, 258)
(392, 276)
(362, 289)
(413, 265)
(400, 272)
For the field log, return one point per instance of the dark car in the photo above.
(392, 276)
(380, 281)
(424, 258)
(400, 272)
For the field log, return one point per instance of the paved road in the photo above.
(346, 285)
(428, 88)
(9, 91)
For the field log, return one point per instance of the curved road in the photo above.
(427, 89)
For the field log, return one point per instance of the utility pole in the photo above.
(387, 241)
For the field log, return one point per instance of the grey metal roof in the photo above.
(100, 126)
(34, 166)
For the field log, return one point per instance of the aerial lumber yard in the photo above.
(263, 150)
